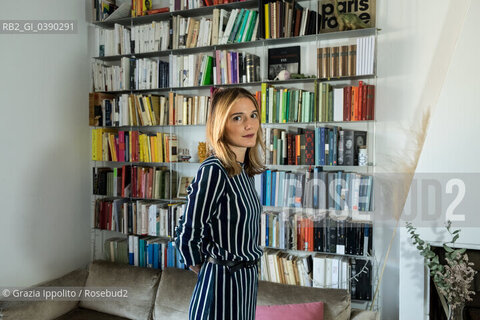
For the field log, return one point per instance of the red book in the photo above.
(299, 234)
(159, 10)
(150, 183)
(347, 111)
(360, 100)
(297, 149)
(121, 146)
(354, 103)
(370, 102)
(309, 147)
(109, 215)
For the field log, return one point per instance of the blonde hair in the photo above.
(222, 102)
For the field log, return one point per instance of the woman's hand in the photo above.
(196, 268)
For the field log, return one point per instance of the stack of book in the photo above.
(297, 230)
(341, 191)
(347, 60)
(133, 146)
(111, 42)
(135, 181)
(107, 110)
(283, 19)
(151, 37)
(138, 217)
(191, 70)
(236, 67)
(321, 146)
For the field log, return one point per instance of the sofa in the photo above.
(156, 294)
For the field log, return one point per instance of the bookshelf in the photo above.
(189, 135)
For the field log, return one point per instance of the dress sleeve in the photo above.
(202, 199)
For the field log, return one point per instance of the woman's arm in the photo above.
(202, 202)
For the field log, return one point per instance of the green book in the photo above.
(287, 111)
(238, 37)
(207, 74)
(315, 108)
(312, 106)
(285, 105)
(295, 105)
(236, 26)
(251, 26)
(330, 102)
(323, 106)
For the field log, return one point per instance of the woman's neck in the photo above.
(239, 153)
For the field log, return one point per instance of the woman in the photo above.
(218, 234)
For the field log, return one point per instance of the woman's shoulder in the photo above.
(213, 163)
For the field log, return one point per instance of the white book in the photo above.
(135, 250)
(152, 219)
(319, 271)
(337, 104)
(328, 272)
(335, 272)
(229, 27)
(222, 24)
(344, 273)
(255, 29)
(245, 31)
(215, 21)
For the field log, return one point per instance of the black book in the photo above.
(132, 73)
(359, 239)
(350, 238)
(359, 139)
(348, 148)
(332, 243)
(354, 280)
(261, 19)
(341, 231)
(331, 190)
(285, 58)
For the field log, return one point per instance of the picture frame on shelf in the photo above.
(183, 185)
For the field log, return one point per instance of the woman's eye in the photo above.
(237, 118)
(254, 115)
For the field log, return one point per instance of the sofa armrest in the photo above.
(45, 310)
(358, 314)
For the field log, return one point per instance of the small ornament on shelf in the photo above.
(184, 155)
(362, 156)
(202, 151)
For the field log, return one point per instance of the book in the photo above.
(285, 58)
(365, 10)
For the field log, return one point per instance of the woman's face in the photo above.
(242, 124)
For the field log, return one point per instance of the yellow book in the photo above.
(267, 21)
(153, 120)
(113, 149)
(141, 151)
(148, 148)
(165, 147)
(153, 144)
(94, 144)
(264, 103)
(160, 147)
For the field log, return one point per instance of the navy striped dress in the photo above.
(221, 220)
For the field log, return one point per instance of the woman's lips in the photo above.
(249, 136)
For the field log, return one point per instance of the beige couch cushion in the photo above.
(174, 294)
(337, 302)
(141, 284)
(86, 314)
(364, 315)
(176, 288)
(45, 310)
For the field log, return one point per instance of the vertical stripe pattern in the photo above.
(221, 220)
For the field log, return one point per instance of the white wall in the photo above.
(407, 45)
(44, 143)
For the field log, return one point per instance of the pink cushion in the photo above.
(304, 311)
